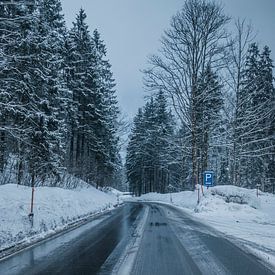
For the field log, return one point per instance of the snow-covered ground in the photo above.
(243, 217)
(54, 209)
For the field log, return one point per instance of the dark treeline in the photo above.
(221, 88)
(59, 111)
(152, 161)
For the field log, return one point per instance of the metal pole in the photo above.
(31, 213)
(32, 199)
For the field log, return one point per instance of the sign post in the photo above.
(208, 178)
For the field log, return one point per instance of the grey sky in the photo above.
(131, 30)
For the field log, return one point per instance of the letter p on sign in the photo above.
(208, 178)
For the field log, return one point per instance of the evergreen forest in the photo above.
(209, 104)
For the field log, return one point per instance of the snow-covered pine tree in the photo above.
(81, 81)
(92, 152)
(32, 77)
(107, 121)
(246, 116)
(16, 24)
(209, 105)
(164, 142)
(235, 59)
(134, 157)
(150, 161)
(266, 132)
(45, 150)
(254, 117)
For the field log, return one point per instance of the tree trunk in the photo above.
(2, 150)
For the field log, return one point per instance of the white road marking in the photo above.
(127, 260)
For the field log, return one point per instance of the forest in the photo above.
(211, 106)
(59, 112)
(210, 103)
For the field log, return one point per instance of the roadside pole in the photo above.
(31, 215)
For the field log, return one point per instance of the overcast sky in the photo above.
(131, 30)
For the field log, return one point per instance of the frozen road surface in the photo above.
(136, 239)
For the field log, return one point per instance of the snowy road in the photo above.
(173, 243)
(138, 238)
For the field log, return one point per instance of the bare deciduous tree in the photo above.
(195, 40)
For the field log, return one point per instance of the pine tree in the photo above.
(92, 107)
(209, 105)
(46, 94)
(57, 96)
(245, 117)
(265, 134)
(134, 155)
(34, 84)
(254, 117)
(81, 83)
(164, 141)
(16, 28)
(107, 111)
(150, 153)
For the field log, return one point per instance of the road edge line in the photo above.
(125, 266)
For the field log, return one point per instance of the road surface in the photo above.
(136, 239)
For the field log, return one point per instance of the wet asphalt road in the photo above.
(171, 243)
(80, 251)
(174, 244)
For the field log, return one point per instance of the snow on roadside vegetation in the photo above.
(235, 211)
(54, 209)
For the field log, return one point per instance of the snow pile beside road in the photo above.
(236, 204)
(235, 211)
(237, 195)
(54, 210)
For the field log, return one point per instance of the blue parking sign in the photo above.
(208, 178)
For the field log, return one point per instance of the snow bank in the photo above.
(54, 209)
(235, 211)
(237, 195)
